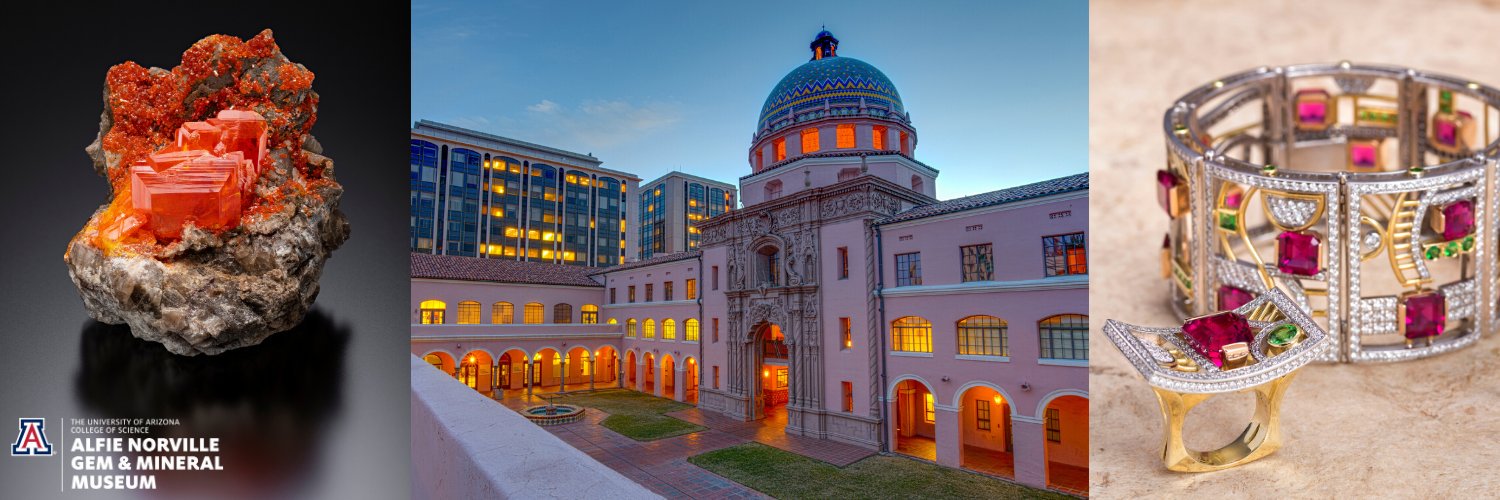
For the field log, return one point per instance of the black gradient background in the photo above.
(321, 411)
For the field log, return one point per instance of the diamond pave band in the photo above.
(1374, 187)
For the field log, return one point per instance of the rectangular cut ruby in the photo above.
(1165, 183)
(1445, 130)
(1299, 253)
(1458, 219)
(1426, 315)
(1312, 106)
(1209, 334)
(1363, 155)
(1231, 298)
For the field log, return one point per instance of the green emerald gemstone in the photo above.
(1228, 221)
(1283, 335)
(1450, 249)
(1468, 243)
(1433, 252)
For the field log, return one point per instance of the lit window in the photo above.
(502, 313)
(780, 145)
(511, 232)
(692, 288)
(533, 313)
(982, 414)
(847, 332)
(630, 327)
(781, 378)
(648, 329)
(432, 312)
(1065, 254)
(983, 336)
(669, 329)
(1065, 336)
(878, 138)
(845, 136)
(613, 321)
(468, 313)
(690, 330)
(911, 334)
(848, 396)
(590, 314)
(1054, 425)
(929, 408)
(809, 140)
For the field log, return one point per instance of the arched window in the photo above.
(848, 173)
(562, 313)
(630, 327)
(916, 183)
(778, 147)
(590, 314)
(877, 138)
(983, 336)
(773, 189)
(810, 140)
(434, 360)
(668, 329)
(769, 265)
(468, 312)
(613, 321)
(1065, 336)
(502, 313)
(432, 312)
(533, 313)
(648, 329)
(690, 327)
(911, 334)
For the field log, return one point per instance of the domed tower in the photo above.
(832, 119)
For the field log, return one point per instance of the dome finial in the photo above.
(824, 45)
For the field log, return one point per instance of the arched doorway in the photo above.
(773, 377)
(984, 438)
(630, 364)
(648, 377)
(914, 414)
(668, 377)
(474, 370)
(690, 386)
(510, 373)
(606, 366)
(546, 371)
(1065, 422)
(578, 369)
(442, 361)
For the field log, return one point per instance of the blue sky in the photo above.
(998, 91)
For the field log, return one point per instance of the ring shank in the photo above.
(1260, 438)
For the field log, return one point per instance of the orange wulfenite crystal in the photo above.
(206, 180)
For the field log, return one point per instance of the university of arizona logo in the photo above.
(31, 441)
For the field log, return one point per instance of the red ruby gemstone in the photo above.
(1298, 252)
(1231, 298)
(1458, 219)
(1445, 130)
(1165, 181)
(1210, 333)
(1310, 109)
(1232, 199)
(1426, 315)
(1362, 155)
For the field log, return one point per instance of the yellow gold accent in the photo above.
(1260, 438)
(1236, 355)
(1400, 228)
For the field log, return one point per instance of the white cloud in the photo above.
(593, 125)
(545, 106)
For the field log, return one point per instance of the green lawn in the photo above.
(636, 415)
(783, 474)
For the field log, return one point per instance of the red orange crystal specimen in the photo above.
(207, 180)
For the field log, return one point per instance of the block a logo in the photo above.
(31, 441)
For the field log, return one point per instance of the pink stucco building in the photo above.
(842, 301)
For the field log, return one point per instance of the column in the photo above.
(528, 377)
(677, 381)
(1030, 450)
(619, 367)
(495, 390)
(562, 383)
(948, 435)
(593, 371)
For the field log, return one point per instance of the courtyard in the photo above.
(678, 451)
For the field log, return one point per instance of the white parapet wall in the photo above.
(464, 445)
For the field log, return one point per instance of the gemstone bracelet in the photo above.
(1361, 191)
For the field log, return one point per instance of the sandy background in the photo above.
(1427, 428)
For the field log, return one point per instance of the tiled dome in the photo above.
(841, 80)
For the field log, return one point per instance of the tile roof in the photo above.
(659, 259)
(452, 267)
(1077, 182)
